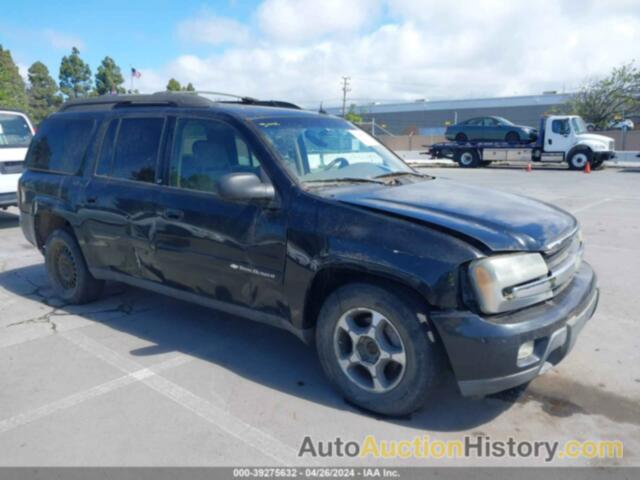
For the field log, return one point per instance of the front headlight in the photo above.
(493, 278)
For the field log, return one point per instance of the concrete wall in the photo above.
(632, 141)
(417, 142)
(409, 142)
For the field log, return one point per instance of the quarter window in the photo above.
(60, 145)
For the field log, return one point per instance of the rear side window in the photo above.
(60, 145)
(106, 151)
(134, 153)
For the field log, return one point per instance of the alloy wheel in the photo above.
(369, 350)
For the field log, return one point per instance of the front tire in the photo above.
(578, 159)
(67, 270)
(375, 351)
(512, 138)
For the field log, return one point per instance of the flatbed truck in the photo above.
(561, 138)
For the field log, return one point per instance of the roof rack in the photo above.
(167, 99)
(157, 99)
(244, 99)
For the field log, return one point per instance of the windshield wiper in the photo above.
(400, 174)
(344, 180)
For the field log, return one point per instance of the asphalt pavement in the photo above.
(141, 379)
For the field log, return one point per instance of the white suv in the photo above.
(16, 132)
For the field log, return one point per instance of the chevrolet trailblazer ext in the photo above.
(305, 222)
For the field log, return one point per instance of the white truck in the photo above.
(561, 138)
(16, 132)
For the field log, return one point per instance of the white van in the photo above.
(16, 132)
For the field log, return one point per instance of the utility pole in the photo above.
(345, 88)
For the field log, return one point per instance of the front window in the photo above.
(578, 125)
(560, 126)
(323, 149)
(204, 151)
(14, 131)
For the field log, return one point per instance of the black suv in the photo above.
(303, 221)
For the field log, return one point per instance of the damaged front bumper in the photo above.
(483, 351)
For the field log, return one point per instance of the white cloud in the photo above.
(428, 49)
(213, 30)
(24, 71)
(62, 41)
(301, 21)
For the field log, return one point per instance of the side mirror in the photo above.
(245, 186)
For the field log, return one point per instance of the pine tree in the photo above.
(109, 78)
(174, 85)
(75, 75)
(189, 88)
(12, 88)
(42, 93)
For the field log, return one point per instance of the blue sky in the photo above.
(137, 32)
(298, 50)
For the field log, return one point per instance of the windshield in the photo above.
(323, 149)
(578, 125)
(503, 121)
(14, 131)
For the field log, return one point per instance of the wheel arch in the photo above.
(47, 218)
(580, 147)
(332, 277)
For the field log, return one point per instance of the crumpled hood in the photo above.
(501, 221)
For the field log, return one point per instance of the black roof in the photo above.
(165, 99)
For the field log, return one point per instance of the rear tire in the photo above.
(364, 328)
(468, 158)
(578, 159)
(462, 138)
(67, 270)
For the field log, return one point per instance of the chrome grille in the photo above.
(564, 262)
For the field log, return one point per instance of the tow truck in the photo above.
(561, 138)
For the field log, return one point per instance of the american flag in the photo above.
(135, 73)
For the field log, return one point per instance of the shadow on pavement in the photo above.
(259, 353)
(8, 220)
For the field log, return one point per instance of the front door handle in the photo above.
(171, 214)
(92, 200)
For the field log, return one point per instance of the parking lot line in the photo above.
(218, 416)
(93, 392)
(591, 205)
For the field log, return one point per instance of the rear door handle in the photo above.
(171, 214)
(92, 200)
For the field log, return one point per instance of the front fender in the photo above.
(335, 236)
(592, 145)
